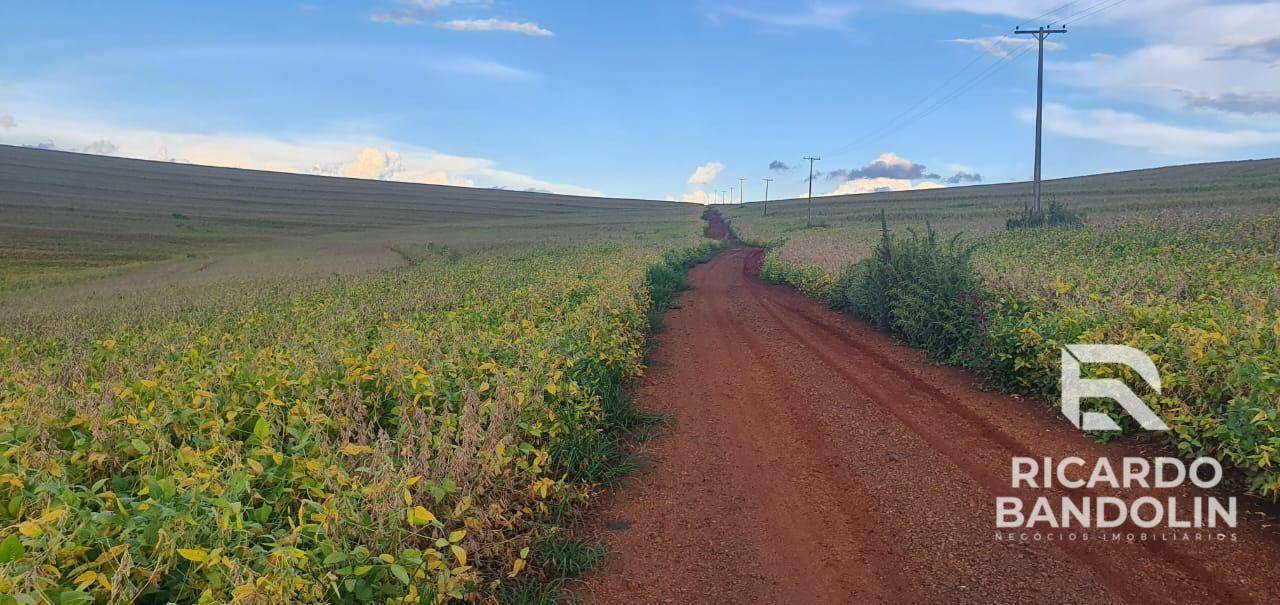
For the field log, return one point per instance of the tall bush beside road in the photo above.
(1203, 299)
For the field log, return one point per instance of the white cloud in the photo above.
(1214, 50)
(494, 25)
(468, 66)
(101, 147)
(815, 15)
(1132, 130)
(1209, 68)
(1163, 74)
(1030, 9)
(371, 163)
(7, 122)
(395, 17)
(879, 184)
(333, 155)
(706, 173)
(698, 196)
(431, 5)
(1003, 46)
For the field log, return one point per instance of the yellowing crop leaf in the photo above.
(418, 516)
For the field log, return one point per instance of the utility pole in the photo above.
(742, 191)
(809, 221)
(764, 208)
(1041, 33)
(730, 194)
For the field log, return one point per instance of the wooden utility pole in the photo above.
(765, 206)
(742, 191)
(809, 221)
(1040, 34)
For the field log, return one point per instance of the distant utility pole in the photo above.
(742, 191)
(730, 194)
(765, 206)
(809, 221)
(1041, 33)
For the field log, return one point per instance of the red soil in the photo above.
(813, 460)
(716, 228)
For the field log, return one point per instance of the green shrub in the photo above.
(1057, 215)
(921, 289)
(813, 281)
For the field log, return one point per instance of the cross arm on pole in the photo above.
(1040, 32)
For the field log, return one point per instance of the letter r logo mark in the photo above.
(1075, 388)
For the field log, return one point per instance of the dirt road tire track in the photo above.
(812, 460)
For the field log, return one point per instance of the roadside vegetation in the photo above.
(415, 432)
(403, 437)
(1195, 284)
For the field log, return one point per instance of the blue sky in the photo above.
(644, 99)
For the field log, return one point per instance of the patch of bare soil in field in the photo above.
(813, 460)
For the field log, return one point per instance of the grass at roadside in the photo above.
(1195, 290)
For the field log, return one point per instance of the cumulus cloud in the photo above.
(892, 172)
(706, 173)
(698, 196)
(371, 163)
(886, 165)
(880, 185)
(101, 147)
(779, 166)
(387, 165)
(1132, 130)
(963, 177)
(494, 25)
(7, 122)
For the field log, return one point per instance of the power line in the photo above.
(1036, 19)
(898, 123)
(889, 124)
(955, 94)
(1098, 9)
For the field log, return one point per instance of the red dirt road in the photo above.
(812, 460)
